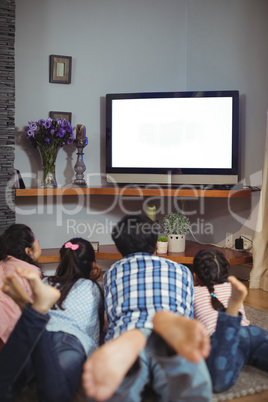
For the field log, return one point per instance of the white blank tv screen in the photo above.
(172, 133)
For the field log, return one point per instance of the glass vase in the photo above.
(48, 155)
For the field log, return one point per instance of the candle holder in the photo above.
(80, 167)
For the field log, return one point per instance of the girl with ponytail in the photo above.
(212, 291)
(218, 305)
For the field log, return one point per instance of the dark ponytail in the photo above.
(211, 268)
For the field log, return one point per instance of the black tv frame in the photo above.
(170, 176)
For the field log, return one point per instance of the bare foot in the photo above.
(239, 292)
(44, 296)
(13, 288)
(186, 336)
(105, 369)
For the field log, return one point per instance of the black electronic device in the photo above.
(173, 138)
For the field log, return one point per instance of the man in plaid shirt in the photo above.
(146, 297)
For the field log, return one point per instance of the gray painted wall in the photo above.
(131, 46)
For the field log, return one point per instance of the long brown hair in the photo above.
(75, 263)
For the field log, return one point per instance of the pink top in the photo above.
(203, 309)
(9, 310)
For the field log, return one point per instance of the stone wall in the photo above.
(7, 111)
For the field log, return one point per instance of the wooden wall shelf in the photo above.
(132, 191)
(110, 252)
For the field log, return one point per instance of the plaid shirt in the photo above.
(140, 284)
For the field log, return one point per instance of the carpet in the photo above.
(251, 380)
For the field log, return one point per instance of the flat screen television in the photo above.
(172, 138)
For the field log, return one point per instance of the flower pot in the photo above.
(162, 247)
(48, 155)
(176, 243)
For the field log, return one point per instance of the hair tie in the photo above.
(212, 294)
(71, 245)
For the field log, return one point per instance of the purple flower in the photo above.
(50, 132)
(30, 132)
(32, 125)
(47, 124)
(61, 133)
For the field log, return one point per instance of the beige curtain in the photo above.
(259, 273)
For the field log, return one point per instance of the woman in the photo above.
(59, 327)
(19, 248)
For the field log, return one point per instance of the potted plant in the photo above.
(162, 245)
(176, 226)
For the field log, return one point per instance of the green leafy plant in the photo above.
(176, 223)
(162, 239)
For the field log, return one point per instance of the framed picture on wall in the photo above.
(60, 69)
(61, 115)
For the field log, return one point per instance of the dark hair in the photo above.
(211, 268)
(14, 241)
(74, 264)
(135, 233)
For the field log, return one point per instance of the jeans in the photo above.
(55, 359)
(232, 347)
(171, 377)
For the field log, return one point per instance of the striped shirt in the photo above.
(203, 310)
(140, 284)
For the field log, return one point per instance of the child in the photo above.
(57, 339)
(137, 288)
(18, 248)
(218, 305)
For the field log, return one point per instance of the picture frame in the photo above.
(61, 115)
(60, 69)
